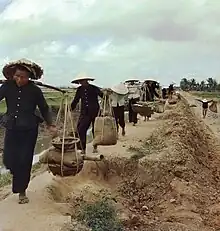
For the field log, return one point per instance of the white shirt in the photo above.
(134, 91)
(117, 100)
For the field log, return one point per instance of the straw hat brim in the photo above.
(77, 80)
(132, 80)
(120, 89)
(10, 68)
(150, 80)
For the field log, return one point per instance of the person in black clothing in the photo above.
(133, 98)
(153, 87)
(164, 93)
(147, 95)
(205, 105)
(170, 91)
(22, 97)
(149, 89)
(88, 94)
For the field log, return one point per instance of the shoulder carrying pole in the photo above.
(40, 84)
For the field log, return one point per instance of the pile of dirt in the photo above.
(175, 186)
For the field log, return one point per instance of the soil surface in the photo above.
(164, 175)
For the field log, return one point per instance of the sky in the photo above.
(113, 40)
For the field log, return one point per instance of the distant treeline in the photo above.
(209, 84)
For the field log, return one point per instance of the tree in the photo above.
(191, 84)
(184, 84)
(212, 84)
(202, 85)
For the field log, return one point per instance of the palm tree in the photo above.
(192, 84)
(184, 84)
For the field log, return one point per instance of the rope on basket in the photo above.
(67, 114)
(107, 100)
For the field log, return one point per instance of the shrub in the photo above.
(100, 216)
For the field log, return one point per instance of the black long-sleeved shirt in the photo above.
(89, 99)
(205, 104)
(21, 106)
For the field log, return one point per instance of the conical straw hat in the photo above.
(120, 89)
(10, 68)
(80, 77)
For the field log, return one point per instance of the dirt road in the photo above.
(42, 213)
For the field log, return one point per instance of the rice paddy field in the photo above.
(207, 95)
(53, 98)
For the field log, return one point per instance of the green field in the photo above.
(53, 99)
(207, 95)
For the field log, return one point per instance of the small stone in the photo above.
(145, 208)
(172, 200)
(134, 219)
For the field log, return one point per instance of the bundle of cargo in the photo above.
(70, 162)
(105, 128)
(148, 108)
(143, 109)
(157, 105)
(64, 158)
(213, 107)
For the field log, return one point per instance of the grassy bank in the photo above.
(6, 179)
(100, 215)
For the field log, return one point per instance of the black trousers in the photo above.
(119, 116)
(18, 155)
(83, 125)
(131, 114)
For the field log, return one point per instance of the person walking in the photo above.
(170, 91)
(153, 86)
(205, 105)
(88, 94)
(117, 98)
(22, 97)
(164, 93)
(133, 97)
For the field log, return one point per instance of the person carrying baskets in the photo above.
(117, 97)
(205, 105)
(134, 94)
(22, 97)
(88, 94)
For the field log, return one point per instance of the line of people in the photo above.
(21, 122)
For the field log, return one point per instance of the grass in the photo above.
(53, 98)
(100, 215)
(207, 95)
(6, 179)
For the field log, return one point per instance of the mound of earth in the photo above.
(174, 186)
